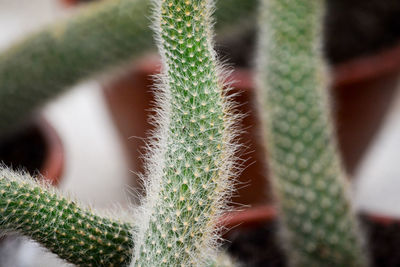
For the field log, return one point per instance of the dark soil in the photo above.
(358, 27)
(256, 246)
(24, 150)
(384, 242)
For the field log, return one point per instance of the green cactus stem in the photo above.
(309, 181)
(102, 35)
(73, 233)
(192, 159)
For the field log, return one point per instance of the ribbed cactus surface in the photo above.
(73, 233)
(192, 160)
(102, 35)
(308, 178)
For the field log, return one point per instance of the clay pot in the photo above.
(248, 217)
(362, 92)
(35, 148)
(74, 2)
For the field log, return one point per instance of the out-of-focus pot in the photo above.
(362, 92)
(75, 2)
(35, 148)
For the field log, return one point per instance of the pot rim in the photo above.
(257, 215)
(53, 165)
(248, 217)
(368, 67)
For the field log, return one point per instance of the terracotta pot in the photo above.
(75, 2)
(53, 164)
(70, 2)
(36, 147)
(248, 217)
(362, 92)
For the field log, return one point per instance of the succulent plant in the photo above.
(74, 233)
(309, 181)
(102, 35)
(191, 156)
(191, 159)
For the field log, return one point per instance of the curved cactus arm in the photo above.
(102, 35)
(46, 63)
(73, 233)
(192, 159)
(308, 178)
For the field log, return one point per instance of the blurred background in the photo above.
(88, 141)
(93, 165)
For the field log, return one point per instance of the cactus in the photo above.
(192, 155)
(102, 35)
(308, 178)
(75, 234)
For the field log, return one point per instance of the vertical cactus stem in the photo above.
(192, 158)
(308, 178)
(75, 234)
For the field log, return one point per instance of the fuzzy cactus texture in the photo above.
(309, 181)
(222, 259)
(75, 234)
(191, 159)
(101, 36)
